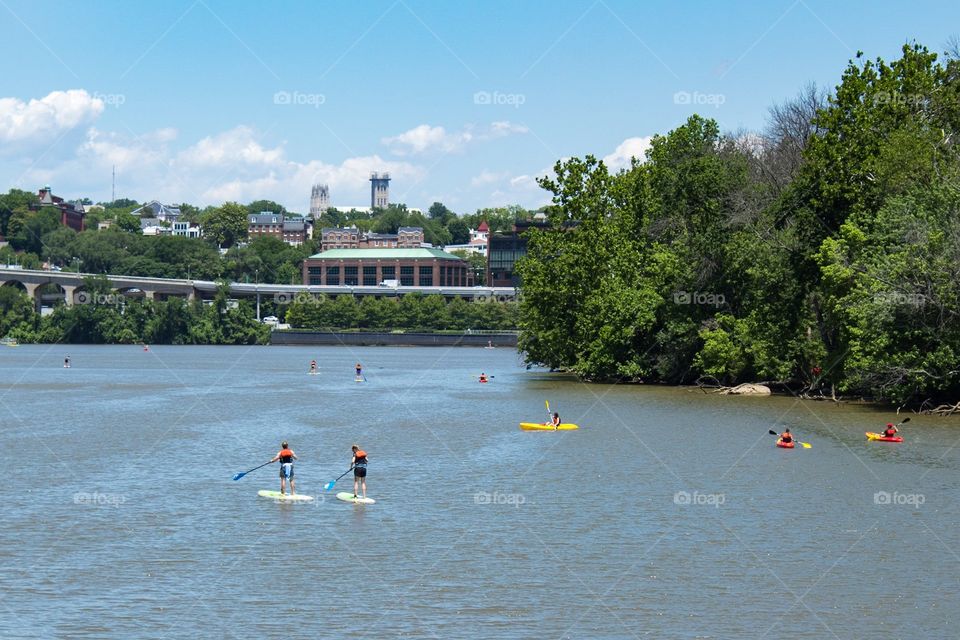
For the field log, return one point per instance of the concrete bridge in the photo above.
(50, 286)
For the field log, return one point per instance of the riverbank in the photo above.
(295, 337)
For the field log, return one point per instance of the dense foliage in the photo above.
(104, 316)
(823, 254)
(412, 311)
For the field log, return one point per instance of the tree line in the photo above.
(822, 254)
(36, 238)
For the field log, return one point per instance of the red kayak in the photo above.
(785, 445)
(882, 438)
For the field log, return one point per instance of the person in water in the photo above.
(286, 456)
(359, 464)
(555, 420)
(359, 371)
(313, 366)
(786, 437)
(483, 377)
(66, 362)
(890, 431)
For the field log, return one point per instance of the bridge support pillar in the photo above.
(68, 293)
(32, 292)
(149, 294)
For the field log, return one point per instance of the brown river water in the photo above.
(668, 514)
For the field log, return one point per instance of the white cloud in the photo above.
(629, 148)
(46, 118)
(424, 139)
(487, 177)
(230, 165)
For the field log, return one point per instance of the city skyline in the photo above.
(205, 102)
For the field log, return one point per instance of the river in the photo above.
(668, 514)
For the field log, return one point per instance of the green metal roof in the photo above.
(422, 253)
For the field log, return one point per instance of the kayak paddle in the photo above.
(330, 484)
(805, 445)
(240, 475)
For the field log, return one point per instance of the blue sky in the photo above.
(463, 102)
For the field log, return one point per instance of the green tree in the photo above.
(226, 224)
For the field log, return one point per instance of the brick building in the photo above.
(420, 267)
(293, 231)
(352, 238)
(71, 213)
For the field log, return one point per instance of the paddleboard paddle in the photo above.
(330, 484)
(240, 475)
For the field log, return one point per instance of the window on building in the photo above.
(315, 280)
(350, 276)
(426, 276)
(370, 276)
(314, 271)
(333, 275)
(388, 273)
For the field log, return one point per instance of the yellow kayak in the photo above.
(536, 426)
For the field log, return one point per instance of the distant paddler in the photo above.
(66, 362)
(360, 377)
(286, 456)
(313, 366)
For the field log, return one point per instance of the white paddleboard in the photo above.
(284, 497)
(346, 496)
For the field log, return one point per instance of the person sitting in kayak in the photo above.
(785, 437)
(483, 377)
(359, 464)
(890, 431)
(555, 420)
(286, 457)
(313, 366)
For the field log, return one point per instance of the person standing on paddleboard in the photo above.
(286, 456)
(359, 464)
(359, 371)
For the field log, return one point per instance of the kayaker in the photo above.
(313, 366)
(286, 456)
(890, 431)
(786, 437)
(359, 464)
(555, 420)
(483, 377)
